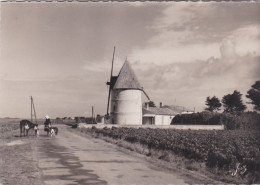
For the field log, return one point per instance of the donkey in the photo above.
(26, 125)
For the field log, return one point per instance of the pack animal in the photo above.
(26, 125)
(51, 130)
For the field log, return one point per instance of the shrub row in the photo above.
(248, 120)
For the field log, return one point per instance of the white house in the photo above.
(162, 115)
(158, 116)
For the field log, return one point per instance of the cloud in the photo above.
(227, 49)
(187, 32)
(207, 77)
(247, 39)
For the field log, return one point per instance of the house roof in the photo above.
(127, 78)
(171, 110)
(159, 111)
(176, 108)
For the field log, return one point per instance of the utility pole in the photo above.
(33, 112)
(92, 115)
(31, 108)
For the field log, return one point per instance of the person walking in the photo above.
(47, 124)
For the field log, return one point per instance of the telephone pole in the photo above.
(33, 112)
(92, 121)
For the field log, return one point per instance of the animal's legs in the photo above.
(21, 131)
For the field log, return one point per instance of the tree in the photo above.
(150, 104)
(254, 95)
(213, 104)
(233, 102)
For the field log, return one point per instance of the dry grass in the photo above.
(8, 127)
(18, 165)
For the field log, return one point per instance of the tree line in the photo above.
(233, 103)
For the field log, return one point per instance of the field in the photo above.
(8, 127)
(18, 164)
(233, 154)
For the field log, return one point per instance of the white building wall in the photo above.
(179, 127)
(163, 119)
(126, 107)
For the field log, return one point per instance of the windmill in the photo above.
(125, 96)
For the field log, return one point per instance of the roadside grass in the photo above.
(18, 164)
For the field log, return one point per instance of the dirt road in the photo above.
(72, 159)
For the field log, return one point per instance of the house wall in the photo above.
(198, 127)
(126, 107)
(163, 119)
(148, 120)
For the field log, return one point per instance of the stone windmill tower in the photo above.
(126, 93)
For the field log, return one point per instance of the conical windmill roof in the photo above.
(127, 78)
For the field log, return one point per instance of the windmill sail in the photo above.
(146, 95)
(110, 83)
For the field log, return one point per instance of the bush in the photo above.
(248, 120)
(201, 118)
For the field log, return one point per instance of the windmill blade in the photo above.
(112, 64)
(110, 83)
(108, 100)
(146, 95)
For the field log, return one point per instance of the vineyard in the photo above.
(224, 150)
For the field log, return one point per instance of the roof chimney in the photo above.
(160, 104)
(147, 105)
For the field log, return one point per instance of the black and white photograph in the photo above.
(129, 93)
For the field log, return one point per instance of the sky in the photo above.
(60, 53)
